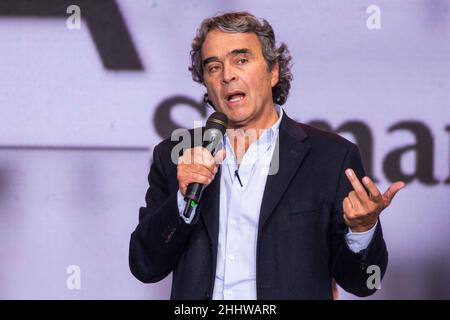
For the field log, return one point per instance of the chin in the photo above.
(236, 117)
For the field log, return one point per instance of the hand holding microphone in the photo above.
(198, 166)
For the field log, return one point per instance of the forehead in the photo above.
(218, 43)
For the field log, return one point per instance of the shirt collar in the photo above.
(270, 133)
(273, 130)
(264, 143)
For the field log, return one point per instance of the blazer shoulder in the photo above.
(181, 139)
(325, 139)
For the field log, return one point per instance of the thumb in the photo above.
(392, 191)
(220, 156)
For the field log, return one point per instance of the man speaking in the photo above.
(283, 210)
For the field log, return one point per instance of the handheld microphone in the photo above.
(212, 141)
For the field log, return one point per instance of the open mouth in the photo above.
(235, 96)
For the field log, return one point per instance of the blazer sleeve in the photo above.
(161, 237)
(348, 268)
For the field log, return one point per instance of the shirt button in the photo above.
(231, 257)
(229, 292)
(350, 241)
(233, 222)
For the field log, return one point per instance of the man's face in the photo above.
(237, 78)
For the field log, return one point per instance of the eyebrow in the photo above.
(234, 52)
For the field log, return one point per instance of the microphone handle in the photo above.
(194, 190)
(192, 195)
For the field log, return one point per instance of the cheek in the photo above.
(263, 81)
(211, 89)
(264, 87)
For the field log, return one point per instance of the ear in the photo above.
(275, 74)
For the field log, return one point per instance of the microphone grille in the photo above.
(217, 120)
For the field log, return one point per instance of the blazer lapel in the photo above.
(291, 151)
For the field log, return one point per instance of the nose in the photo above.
(228, 74)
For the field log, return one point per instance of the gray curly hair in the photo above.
(246, 22)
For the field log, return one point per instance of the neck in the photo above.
(241, 137)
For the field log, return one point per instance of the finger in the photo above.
(187, 157)
(220, 156)
(357, 186)
(203, 156)
(209, 161)
(349, 212)
(374, 192)
(183, 188)
(185, 172)
(207, 157)
(198, 178)
(392, 191)
(348, 208)
(194, 156)
(354, 200)
(206, 171)
(203, 160)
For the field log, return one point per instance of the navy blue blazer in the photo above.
(301, 234)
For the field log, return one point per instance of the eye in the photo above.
(213, 68)
(242, 61)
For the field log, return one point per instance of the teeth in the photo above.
(237, 98)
